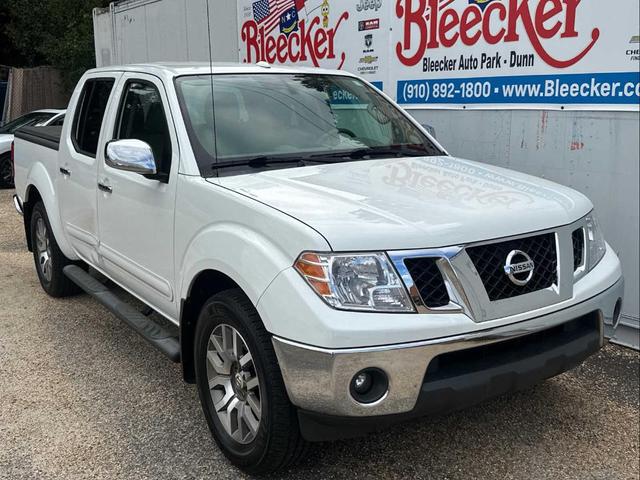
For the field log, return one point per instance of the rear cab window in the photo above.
(89, 114)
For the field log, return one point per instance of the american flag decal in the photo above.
(261, 10)
(267, 12)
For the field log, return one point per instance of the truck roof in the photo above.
(176, 69)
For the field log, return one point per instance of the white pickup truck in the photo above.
(325, 267)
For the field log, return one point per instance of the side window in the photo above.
(142, 117)
(89, 115)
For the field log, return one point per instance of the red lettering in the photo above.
(332, 36)
(294, 55)
(249, 35)
(309, 42)
(281, 51)
(516, 12)
(319, 43)
(570, 22)
(411, 18)
(269, 54)
(493, 38)
(543, 15)
(470, 18)
(521, 11)
(434, 9)
(448, 22)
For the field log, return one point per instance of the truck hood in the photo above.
(412, 203)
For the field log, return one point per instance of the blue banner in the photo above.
(589, 88)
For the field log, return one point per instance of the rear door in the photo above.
(78, 164)
(136, 213)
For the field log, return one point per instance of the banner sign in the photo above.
(580, 54)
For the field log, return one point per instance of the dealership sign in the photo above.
(460, 53)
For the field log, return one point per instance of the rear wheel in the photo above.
(48, 257)
(6, 171)
(241, 388)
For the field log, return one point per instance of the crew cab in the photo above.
(37, 118)
(326, 268)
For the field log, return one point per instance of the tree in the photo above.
(50, 32)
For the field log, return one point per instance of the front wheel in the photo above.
(48, 257)
(241, 388)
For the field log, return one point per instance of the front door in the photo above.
(136, 213)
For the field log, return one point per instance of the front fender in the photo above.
(251, 260)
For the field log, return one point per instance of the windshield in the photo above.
(274, 117)
(28, 120)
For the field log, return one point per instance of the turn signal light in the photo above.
(313, 270)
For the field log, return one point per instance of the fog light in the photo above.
(362, 383)
(369, 385)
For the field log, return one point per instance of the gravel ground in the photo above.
(81, 396)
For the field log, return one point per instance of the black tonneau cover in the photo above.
(46, 136)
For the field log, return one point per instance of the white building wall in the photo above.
(165, 30)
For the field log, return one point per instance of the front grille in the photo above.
(491, 259)
(578, 248)
(428, 280)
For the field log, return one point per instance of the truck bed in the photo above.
(46, 136)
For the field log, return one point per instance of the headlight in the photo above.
(596, 246)
(366, 282)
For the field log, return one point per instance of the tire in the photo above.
(277, 442)
(6, 171)
(47, 256)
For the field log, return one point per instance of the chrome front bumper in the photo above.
(318, 379)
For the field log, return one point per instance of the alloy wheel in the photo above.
(44, 249)
(233, 384)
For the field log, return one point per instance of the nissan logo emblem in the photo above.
(519, 267)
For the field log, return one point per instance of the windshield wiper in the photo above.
(262, 161)
(257, 162)
(373, 152)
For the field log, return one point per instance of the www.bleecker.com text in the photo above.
(472, 62)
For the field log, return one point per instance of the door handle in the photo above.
(65, 172)
(105, 188)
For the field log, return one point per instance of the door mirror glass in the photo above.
(131, 156)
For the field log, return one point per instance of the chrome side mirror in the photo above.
(131, 156)
(430, 129)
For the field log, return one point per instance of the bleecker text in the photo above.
(312, 42)
(499, 21)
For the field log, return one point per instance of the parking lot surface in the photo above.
(82, 396)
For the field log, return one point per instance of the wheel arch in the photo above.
(41, 188)
(205, 284)
(32, 197)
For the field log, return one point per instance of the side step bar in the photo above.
(150, 331)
